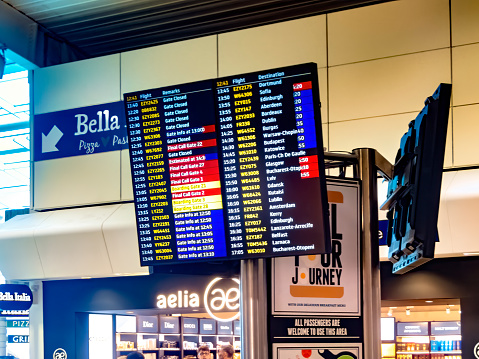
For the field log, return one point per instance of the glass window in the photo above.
(14, 142)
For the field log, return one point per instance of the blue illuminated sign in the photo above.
(15, 297)
(80, 131)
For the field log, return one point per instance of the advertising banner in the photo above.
(317, 351)
(326, 284)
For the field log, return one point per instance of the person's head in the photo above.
(226, 352)
(203, 352)
(135, 355)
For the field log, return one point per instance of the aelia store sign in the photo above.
(15, 297)
(220, 295)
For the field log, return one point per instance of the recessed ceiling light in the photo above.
(195, 310)
(429, 301)
(130, 312)
(176, 315)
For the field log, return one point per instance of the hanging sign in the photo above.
(15, 297)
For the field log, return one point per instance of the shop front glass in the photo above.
(421, 329)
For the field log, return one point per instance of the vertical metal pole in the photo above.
(36, 321)
(254, 334)
(370, 253)
(3, 336)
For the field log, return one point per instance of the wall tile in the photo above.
(76, 84)
(126, 181)
(78, 180)
(465, 135)
(464, 21)
(465, 74)
(270, 46)
(387, 86)
(170, 64)
(381, 133)
(389, 29)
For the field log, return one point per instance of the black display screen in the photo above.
(229, 168)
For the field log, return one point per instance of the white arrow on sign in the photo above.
(49, 141)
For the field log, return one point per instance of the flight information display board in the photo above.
(229, 168)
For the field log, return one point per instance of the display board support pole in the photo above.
(253, 288)
(368, 168)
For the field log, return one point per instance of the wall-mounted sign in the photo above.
(181, 299)
(219, 299)
(190, 326)
(416, 328)
(330, 328)
(147, 324)
(445, 328)
(15, 297)
(207, 326)
(169, 325)
(18, 339)
(60, 354)
(225, 328)
(80, 131)
(14, 313)
(220, 295)
(326, 284)
(18, 323)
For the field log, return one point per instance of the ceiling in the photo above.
(101, 27)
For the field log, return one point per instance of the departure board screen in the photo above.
(229, 168)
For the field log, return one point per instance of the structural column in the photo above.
(253, 287)
(370, 252)
(3, 336)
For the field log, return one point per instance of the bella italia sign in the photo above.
(15, 297)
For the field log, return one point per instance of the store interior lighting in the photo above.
(448, 310)
(408, 311)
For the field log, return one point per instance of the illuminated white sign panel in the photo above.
(100, 332)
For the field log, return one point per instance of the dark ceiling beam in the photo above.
(154, 28)
(31, 45)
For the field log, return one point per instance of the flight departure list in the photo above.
(229, 168)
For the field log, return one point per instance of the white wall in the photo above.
(377, 65)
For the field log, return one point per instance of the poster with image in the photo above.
(327, 284)
(317, 351)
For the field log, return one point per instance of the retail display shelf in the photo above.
(414, 352)
(447, 352)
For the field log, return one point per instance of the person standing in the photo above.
(135, 355)
(203, 352)
(226, 352)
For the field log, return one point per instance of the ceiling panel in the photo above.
(101, 27)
